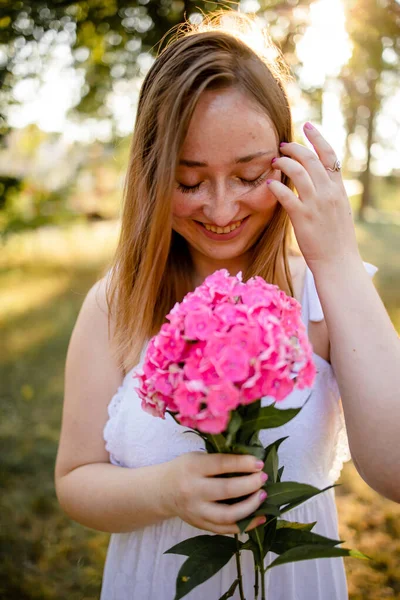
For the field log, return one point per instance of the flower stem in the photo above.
(262, 583)
(239, 568)
(255, 581)
(261, 565)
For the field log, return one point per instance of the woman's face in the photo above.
(221, 178)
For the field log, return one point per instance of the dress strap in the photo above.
(311, 305)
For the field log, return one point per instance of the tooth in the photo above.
(220, 230)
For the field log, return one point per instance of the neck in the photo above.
(203, 267)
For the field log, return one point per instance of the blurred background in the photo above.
(70, 73)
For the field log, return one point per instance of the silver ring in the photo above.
(336, 167)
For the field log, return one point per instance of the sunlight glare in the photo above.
(325, 47)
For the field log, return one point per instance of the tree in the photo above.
(109, 38)
(374, 28)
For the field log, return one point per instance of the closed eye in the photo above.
(186, 189)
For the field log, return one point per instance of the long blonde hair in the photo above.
(151, 268)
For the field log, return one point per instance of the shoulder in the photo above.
(94, 330)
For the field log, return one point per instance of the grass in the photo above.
(44, 277)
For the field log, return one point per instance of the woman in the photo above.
(208, 186)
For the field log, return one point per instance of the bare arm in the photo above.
(365, 354)
(114, 499)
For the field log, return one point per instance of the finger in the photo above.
(229, 514)
(297, 173)
(290, 202)
(218, 488)
(325, 152)
(309, 160)
(225, 529)
(217, 464)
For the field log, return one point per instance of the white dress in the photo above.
(137, 569)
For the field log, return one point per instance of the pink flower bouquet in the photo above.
(224, 347)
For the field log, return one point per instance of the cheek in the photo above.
(263, 199)
(183, 207)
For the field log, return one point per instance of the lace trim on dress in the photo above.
(341, 450)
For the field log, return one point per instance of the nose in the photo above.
(222, 207)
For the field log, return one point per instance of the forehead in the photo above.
(227, 124)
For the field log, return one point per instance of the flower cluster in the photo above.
(228, 343)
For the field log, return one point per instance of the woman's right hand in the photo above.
(193, 491)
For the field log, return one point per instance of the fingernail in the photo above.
(261, 521)
(308, 126)
(259, 464)
(264, 477)
(273, 160)
(263, 495)
(283, 144)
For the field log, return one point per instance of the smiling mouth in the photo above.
(220, 230)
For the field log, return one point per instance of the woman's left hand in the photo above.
(321, 213)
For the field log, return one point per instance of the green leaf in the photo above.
(279, 476)
(243, 523)
(257, 536)
(271, 461)
(254, 440)
(304, 498)
(268, 417)
(257, 451)
(210, 448)
(267, 508)
(311, 551)
(248, 411)
(218, 441)
(287, 538)
(231, 590)
(271, 464)
(295, 525)
(200, 542)
(264, 509)
(248, 545)
(203, 563)
(275, 444)
(283, 492)
(233, 427)
(269, 535)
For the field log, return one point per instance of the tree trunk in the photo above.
(366, 196)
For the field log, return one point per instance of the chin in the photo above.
(215, 251)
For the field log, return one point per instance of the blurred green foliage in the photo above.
(114, 41)
(371, 75)
(108, 36)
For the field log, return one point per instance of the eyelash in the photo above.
(191, 189)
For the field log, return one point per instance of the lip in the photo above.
(222, 237)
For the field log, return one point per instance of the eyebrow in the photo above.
(241, 159)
